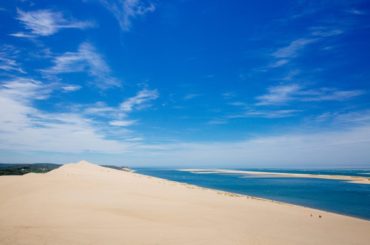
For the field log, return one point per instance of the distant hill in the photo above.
(22, 168)
(25, 168)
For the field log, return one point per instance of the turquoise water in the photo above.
(330, 195)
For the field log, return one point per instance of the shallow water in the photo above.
(331, 195)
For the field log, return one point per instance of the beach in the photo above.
(83, 203)
(352, 179)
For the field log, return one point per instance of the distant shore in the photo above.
(83, 203)
(352, 179)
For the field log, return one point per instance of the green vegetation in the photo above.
(20, 169)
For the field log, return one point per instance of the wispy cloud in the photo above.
(24, 89)
(284, 55)
(119, 115)
(361, 117)
(24, 127)
(282, 94)
(269, 114)
(46, 22)
(8, 60)
(324, 31)
(292, 49)
(278, 94)
(127, 10)
(317, 149)
(122, 123)
(139, 101)
(86, 59)
(255, 113)
(99, 109)
(71, 88)
(279, 62)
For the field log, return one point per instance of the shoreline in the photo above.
(234, 194)
(83, 203)
(239, 195)
(348, 178)
(225, 193)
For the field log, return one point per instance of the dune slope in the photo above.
(83, 203)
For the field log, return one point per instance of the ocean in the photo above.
(330, 195)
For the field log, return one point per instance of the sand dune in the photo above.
(84, 203)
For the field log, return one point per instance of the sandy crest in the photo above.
(84, 203)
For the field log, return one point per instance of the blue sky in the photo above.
(186, 82)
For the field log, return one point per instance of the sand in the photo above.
(352, 179)
(84, 203)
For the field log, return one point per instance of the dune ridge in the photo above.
(83, 203)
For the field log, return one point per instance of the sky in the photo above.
(186, 83)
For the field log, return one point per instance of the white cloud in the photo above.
(22, 35)
(71, 88)
(285, 54)
(278, 94)
(328, 94)
(118, 115)
(46, 22)
(322, 31)
(265, 114)
(122, 123)
(361, 117)
(86, 59)
(292, 49)
(8, 61)
(253, 113)
(127, 10)
(139, 101)
(23, 127)
(98, 109)
(282, 94)
(24, 89)
(279, 63)
(320, 149)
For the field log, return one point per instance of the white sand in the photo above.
(88, 204)
(352, 179)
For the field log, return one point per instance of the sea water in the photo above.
(336, 196)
